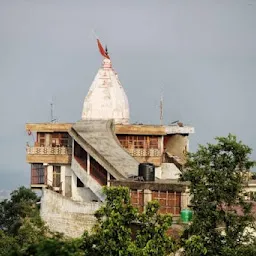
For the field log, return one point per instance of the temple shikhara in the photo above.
(70, 162)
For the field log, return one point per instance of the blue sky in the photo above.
(201, 53)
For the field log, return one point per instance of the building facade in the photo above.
(71, 162)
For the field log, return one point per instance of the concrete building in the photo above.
(71, 162)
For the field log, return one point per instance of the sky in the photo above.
(201, 54)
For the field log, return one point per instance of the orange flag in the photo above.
(102, 51)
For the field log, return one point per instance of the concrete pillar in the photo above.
(74, 186)
(184, 200)
(73, 147)
(162, 145)
(49, 175)
(108, 179)
(48, 138)
(187, 144)
(147, 197)
(88, 163)
(62, 178)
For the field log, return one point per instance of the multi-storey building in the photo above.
(72, 161)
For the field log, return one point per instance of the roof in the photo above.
(158, 184)
(129, 129)
(152, 129)
(48, 127)
(99, 140)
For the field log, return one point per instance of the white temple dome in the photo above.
(106, 98)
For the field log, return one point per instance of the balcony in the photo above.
(50, 155)
(142, 152)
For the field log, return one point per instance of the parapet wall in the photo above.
(66, 216)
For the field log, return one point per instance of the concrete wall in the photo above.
(81, 194)
(177, 145)
(169, 171)
(64, 215)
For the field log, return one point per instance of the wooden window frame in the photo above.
(170, 202)
(56, 179)
(38, 174)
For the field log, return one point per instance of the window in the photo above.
(139, 142)
(98, 172)
(55, 139)
(56, 176)
(60, 139)
(41, 139)
(37, 174)
(153, 142)
(170, 202)
(64, 139)
(123, 140)
(79, 183)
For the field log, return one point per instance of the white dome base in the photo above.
(106, 98)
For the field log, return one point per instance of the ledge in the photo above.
(48, 127)
(50, 159)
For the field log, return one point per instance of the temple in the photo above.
(70, 162)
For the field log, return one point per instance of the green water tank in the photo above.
(186, 215)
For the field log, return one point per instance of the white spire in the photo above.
(106, 98)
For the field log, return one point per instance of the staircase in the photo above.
(88, 181)
(97, 138)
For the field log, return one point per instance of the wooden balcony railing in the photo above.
(49, 150)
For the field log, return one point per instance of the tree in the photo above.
(20, 221)
(151, 238)
(221, 217)
(54, 246)
(23, 233)
(21, 207)
(122, 230)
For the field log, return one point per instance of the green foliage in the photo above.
(122, 230)
(20, 222)
(112, 233)
(216, 173)
(151, 237)
(54, 246)
(194, 246)
(7, 244)
(13, 212)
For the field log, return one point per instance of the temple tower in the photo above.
(106, 98)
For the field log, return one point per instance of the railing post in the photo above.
(88, 163)
(108, 179)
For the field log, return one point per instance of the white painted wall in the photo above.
(49, 175)
(82, 194)
(167, 171)
(65, 171)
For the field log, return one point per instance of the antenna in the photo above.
(162, 107)
(53, 120)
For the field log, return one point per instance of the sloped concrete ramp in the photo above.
(98, 139)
